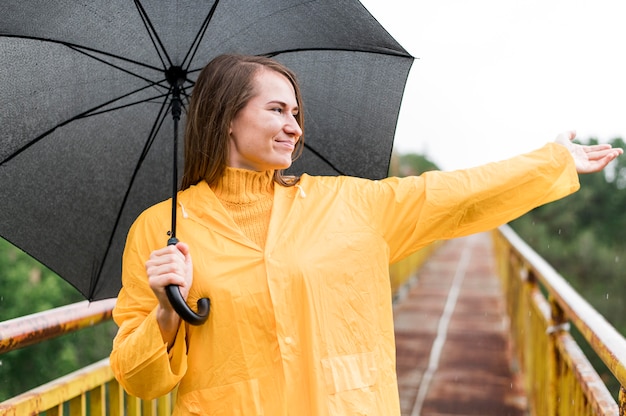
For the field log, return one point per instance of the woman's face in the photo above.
(264, 133)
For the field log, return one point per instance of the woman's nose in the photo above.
(293, 127)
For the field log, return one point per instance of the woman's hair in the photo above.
(224, 87)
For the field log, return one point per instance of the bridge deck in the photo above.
(453, 350)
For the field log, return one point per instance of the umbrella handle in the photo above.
(181, 307)
(185, 312)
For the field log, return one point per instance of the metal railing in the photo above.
(93, 390)
(559, 379)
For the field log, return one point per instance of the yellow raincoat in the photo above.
(305, 326)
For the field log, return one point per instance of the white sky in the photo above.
(495, 78)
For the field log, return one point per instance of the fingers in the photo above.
(588, 158)
(167, 266)
(183, 248)
(599, 164)
(571, 135)
(601, 151)
(598, 160)
(596, 147)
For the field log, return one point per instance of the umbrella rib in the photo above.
(387, 51)
(79, 50)
(85, 48)
(108, 110)
(391, 52)
(154, 37)
(328, 162)
(193, 49)
(84, 114)
(155, 129)
(151, 137)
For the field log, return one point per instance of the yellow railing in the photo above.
(93, 390)
(559, 379)
(541, 305)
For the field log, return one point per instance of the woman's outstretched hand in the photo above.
(588, 159)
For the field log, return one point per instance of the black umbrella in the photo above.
(86, 121)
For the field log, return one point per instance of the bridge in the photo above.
(483, 327)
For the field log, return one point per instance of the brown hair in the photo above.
(224, 87)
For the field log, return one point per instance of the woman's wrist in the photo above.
(168, 321)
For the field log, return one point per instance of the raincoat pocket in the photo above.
(351, 382)
(350, 372)
(237, 399)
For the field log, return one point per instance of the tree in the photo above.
(410, 164)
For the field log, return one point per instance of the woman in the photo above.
(296, 268)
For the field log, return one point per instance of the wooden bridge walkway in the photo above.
(453, 349)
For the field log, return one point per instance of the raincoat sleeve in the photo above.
(140, 359)
(437, 205)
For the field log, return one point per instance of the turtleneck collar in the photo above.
(241, 186)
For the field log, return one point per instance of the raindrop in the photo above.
(607, 296)
(559, 231)
(616, 259)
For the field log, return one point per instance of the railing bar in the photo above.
(148, 408)
(55, 411)
(590, 385)
(97, 401)
(60, 390)
(133, 406)
(78, 406)
(31, 329)
(164, 405)
(572, 393)
(116, 398)
(608, 344)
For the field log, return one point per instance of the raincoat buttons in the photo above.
(288, 340)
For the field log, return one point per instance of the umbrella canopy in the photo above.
(86, 132)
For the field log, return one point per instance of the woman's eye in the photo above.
(277, 109)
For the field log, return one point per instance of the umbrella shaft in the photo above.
(176, 105)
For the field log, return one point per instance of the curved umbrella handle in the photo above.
(181, 307)
(185, 312)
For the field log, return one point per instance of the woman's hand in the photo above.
(170, 265)
(588, 159)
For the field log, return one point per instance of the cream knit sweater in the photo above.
(247, 196)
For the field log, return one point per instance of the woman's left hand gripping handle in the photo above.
(170, 274)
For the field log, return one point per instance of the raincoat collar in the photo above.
(200, 204)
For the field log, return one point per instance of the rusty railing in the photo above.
(91, 390)
(559, 379)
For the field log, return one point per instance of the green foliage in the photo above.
(27, 287)
(410, 164)
(582, 236)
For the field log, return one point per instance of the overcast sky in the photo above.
(495, 78)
